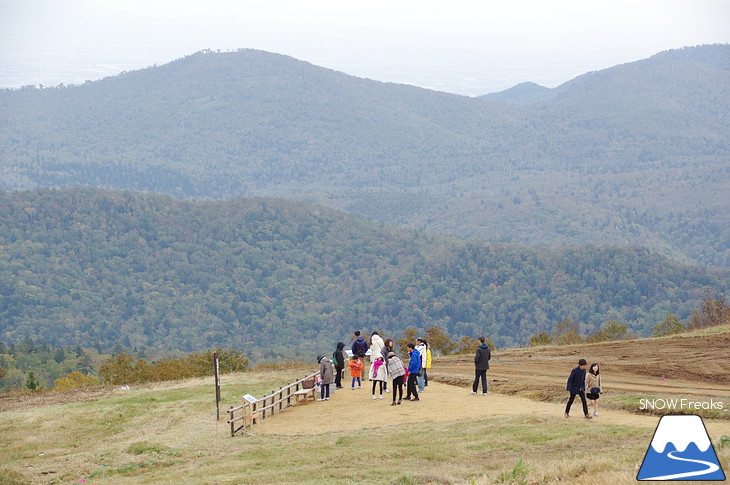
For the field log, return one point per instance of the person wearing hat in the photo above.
(327, 374)
(338, 358)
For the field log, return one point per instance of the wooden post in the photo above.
(217, 386)
(232, 423)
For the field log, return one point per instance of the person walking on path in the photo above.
(421, 347)
(414, 367)
(378, 374)
(396, 371)
(576, 386)
(356, 365)
(359, 345)
(327, 375)
(481, 366)
(339, 361)
(593, 386)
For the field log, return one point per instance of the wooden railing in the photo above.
(250, 412)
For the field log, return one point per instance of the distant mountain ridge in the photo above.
(522, 94)
(632, 155)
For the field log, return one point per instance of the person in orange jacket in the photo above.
(356, 366)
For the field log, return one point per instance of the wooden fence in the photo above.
(249, 413)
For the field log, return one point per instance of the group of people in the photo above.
(386, 366)
(587, 385)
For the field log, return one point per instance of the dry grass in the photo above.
(167, 433)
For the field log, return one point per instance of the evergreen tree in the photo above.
(31, 383)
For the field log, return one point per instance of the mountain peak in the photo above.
(680, 431)
(521, 94)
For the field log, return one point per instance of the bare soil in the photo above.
(532, 381)
(26, 399)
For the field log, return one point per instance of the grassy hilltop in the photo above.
(167, 433)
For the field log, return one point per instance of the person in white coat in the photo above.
(376, 346)
(421, 347)
(378, 374)
(376, 349)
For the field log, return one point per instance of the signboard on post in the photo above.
(217, 387)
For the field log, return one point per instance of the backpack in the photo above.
(361, 347)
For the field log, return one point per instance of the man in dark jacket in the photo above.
(360, 345)
(577, 386)
(481, 365)
(339, 359)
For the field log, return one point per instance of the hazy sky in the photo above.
(465, 47)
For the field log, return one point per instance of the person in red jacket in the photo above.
(355, 366)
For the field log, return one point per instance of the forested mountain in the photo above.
(522, 94)
(634, 155)
(276, 278)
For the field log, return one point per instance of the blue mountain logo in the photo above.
(680, 450)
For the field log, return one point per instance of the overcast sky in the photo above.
(465, 47)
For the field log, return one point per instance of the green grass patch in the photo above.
(145, 447)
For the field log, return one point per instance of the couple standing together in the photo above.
(578, 382)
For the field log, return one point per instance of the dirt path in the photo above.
(440, 402)
(531, 382)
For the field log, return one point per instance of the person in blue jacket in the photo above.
(414, 367)
(577, 387)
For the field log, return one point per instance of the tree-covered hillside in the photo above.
(635, 155)
(270, 277)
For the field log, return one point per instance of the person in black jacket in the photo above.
(339, 359)
(359, 345)
(481, 365)
(577, 386)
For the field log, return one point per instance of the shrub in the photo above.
(75, 380)
(567, 332)
(611, 332)
(712, 312)
(669, 326)
(542, 338)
